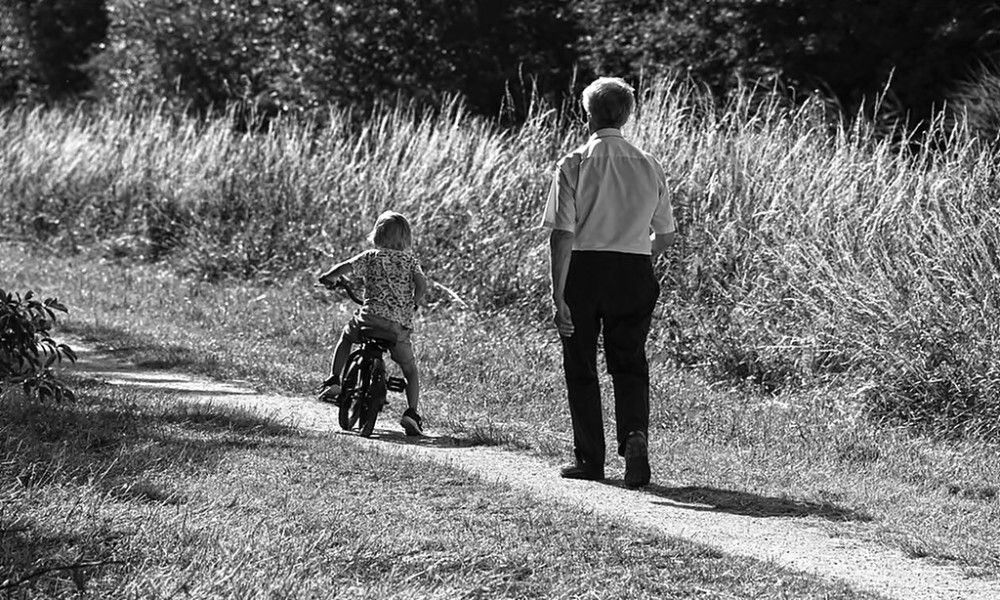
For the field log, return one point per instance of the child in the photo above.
(394, 285)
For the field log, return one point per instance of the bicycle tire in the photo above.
(374, 393)
(350, 412)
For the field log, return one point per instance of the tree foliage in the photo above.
(299, 55)
(46, 45)
(847, 50)
(287, 55)
(27, 350)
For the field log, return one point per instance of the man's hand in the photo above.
(560, 250)
(661, 241)
(563, 319)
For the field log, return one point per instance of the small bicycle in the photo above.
(364, 385)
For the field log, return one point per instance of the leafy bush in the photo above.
(27, 351)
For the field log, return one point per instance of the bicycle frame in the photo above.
(365, 383)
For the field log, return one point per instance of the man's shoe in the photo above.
(636, 460)
(412, 423)
(579, 471)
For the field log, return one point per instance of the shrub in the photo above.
(27, 351)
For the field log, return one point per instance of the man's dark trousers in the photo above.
(615, 291)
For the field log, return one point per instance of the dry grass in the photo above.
(808, 248)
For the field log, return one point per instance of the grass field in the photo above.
(826, 333)
(811, 249)
(500, 381)
(140, 495)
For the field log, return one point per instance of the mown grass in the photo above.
(809, 248)
(497, 380)
(138, 495)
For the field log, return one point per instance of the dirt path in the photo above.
(791, 542)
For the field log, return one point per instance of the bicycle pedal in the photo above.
(395, 384)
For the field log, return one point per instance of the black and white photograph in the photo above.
(500, 299)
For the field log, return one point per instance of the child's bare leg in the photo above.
(412, 384)
(340, 354)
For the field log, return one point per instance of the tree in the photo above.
(845, 49)
(46, 45)
(296, 55)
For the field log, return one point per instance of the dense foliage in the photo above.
(27, 350)
(847, 50)
(45, 46)
(283, 56)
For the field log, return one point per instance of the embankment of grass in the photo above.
(140, 495)
(501, 381)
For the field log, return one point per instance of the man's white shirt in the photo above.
(610, 195)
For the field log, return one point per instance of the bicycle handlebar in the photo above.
(347, 290)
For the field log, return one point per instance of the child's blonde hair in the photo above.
(392, 231)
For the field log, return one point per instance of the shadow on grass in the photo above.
(51, 565)
(103, 447)
(70, 442)
(143, 351)
(702, 498)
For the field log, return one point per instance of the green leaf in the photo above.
(56, 305)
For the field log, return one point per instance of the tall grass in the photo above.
(808, 249)
(229, 204)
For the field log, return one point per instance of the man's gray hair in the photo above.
(609, 101)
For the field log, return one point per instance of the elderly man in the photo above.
(609, 214)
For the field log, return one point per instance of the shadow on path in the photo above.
(701, 498)
(143, 352)
(121, 378)
(424, 441)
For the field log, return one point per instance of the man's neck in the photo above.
(595, 130)
(594, 127)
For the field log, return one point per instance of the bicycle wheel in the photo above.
(350, 398)
(374, 398)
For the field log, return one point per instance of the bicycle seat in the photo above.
(376, 333)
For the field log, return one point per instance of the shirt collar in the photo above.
(606, 132)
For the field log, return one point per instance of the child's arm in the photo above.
(339, 270)
(419, 286)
